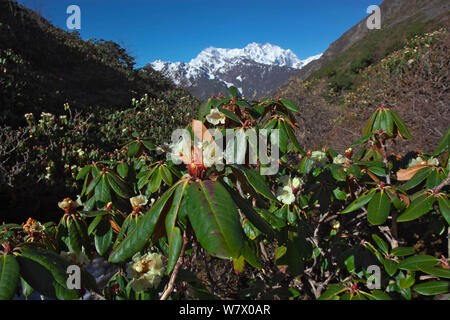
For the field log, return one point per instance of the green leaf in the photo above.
(83, 172)
(137, 239)
(155, 180)
(431, 288)
(380, 295)
(414, 263)
(420, 206)
(333, 290)
(133, 148)
(122, 169)
(233, 92)
(175, 244)
(417, 179)
(401, 125)
(174, 239)
(166, 175)
(9, 276)
(103, 237)
(435, 271)
(283, 137)
(407, 282)
(290, 105)
(379, 208)
(102, 193)
(118, 186)
(402, 251)
(360, 202)
(230, 115)
(257, 182)
(150, 146)
(381, 243)
(443, 144)
(390, 266)
(250, 213)
(74, 238)
(291, 135)
(214, 218)
(444, 207)
(433, 179)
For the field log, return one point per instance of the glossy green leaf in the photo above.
(401, 125)
(402, 251)
(137, 239)
(420, 206)
(436, 271)
(418, 178)
(103, 237)
(413, 263)
(122, 169)
(379, 208)
(290, 105)
(381, 243)
(333, 290)
(9, 276)
(444, 207)
(433, 287)
(175, 244)
(155, 180)
(257, 182)
(214, 218)
(360, 202)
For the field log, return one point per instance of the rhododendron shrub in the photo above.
(314, 228)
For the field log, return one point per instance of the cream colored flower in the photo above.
(340, 159)
(286, 195)
(68, 204)
(212, 155)
(145, 271)
(139, 201)
(180, 149)
(33, 226)
(319, 156)
(433, 162)
(76, 258)
(416, 162)
(215, 117)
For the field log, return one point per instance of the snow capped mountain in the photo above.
(255, 69)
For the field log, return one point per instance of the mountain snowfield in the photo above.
(252, 69)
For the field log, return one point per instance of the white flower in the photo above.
(433, 162)
(215, 117)
(286, 195)
(212, 156)
(296, 182)
(319, 156)
(80, 153)
(76, 258)
(139, 201)
(68, 204)
(340, 159)
(145, 271)
(416, 162)
(180, 149)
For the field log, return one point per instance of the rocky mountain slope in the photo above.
(254, 70)
(399, 19)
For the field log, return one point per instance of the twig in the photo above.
(171, 284)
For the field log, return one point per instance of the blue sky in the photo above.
(177, 30)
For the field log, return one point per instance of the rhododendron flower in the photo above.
(145, 271)
(286, 195)
(68, 204)
(33, 226)
(75, 258)
(319, 156)
(289, 186)
(138, 201)
(340, 159)
(215, 117)
(419, 161)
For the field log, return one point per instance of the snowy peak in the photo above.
(252, 69)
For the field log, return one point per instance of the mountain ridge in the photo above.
(254, 69)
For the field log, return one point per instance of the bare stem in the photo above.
(171, 284)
